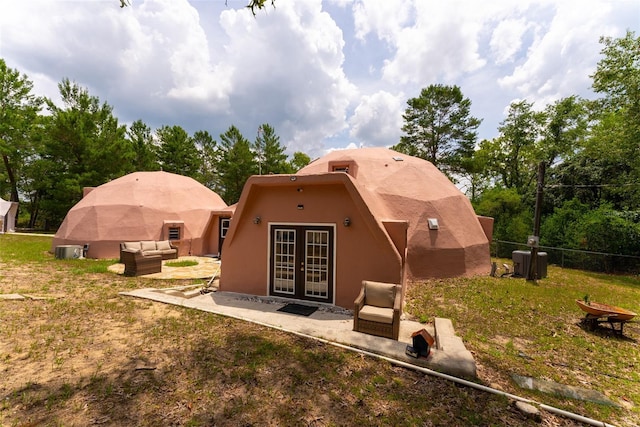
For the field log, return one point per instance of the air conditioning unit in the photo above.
(522, 260)
(68, 251)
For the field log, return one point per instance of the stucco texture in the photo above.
(403, 187)
(140, 206)
(387, 197)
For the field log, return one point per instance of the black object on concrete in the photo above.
(302, 310)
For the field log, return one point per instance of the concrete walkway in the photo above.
(329, 323)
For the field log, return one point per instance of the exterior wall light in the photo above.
(300, 207)
(257, 220)
(433, 223)
(347, 222)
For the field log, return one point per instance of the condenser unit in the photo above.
(522, 260)
(68, 251)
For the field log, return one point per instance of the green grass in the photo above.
(532, 329)
(183, 263)
(24, 249)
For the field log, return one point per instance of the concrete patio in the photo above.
(328, 323)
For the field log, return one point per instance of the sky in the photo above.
(326, 74)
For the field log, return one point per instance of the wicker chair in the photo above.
(137, 264)
(377, 309)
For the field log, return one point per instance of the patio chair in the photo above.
(377, 309)
(138, 264)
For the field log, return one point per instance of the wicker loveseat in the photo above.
(377, 309)
(164, 248)
(138, 264)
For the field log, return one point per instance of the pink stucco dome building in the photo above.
(144, 206)
(352, 215)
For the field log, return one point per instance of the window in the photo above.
(224, 227)
(174, 233)
(173, 230)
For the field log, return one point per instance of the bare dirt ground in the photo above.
(86, 356)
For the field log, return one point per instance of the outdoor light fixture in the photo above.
(293, 178)
(300, 207)
(347, 222)
(257, 220)
(433, 223)
(299, 190)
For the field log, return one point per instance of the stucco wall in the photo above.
(363, 250)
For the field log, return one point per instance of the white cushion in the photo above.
(379, 294)
(376, 314)
(132, 245)
(148, 245)
(163, 245)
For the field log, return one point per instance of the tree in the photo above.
(235, 164)
(299, 161)
(141, 139)
(616, 133)
(617, 75)
(84, 146)
(564, 129)
(474, 174)
(512, 217)
(206, 146)
(513, 155)
(177, 152)
(439, 128)
(269, 153)
(581, 178)
(19, 110)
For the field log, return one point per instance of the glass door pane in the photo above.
(316, 282)
(284, 267)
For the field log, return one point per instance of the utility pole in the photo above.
(534, 240)
(259, 148)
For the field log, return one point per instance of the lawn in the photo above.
(533, 329)
(84, 355)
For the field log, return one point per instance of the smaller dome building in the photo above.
(145, 206)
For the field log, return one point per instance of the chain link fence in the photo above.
(573, 258)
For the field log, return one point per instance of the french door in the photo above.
(301, 262)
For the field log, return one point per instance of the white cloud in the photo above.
(506, 39)
(563, 54)
(385, 18)
(139, 57)
(377, 120)
(288, 68)
(438, 43)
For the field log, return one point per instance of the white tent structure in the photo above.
(8, 211)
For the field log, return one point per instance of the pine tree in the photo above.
(236, 164)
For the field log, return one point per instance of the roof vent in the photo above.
(398, 159)
(349, 167)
